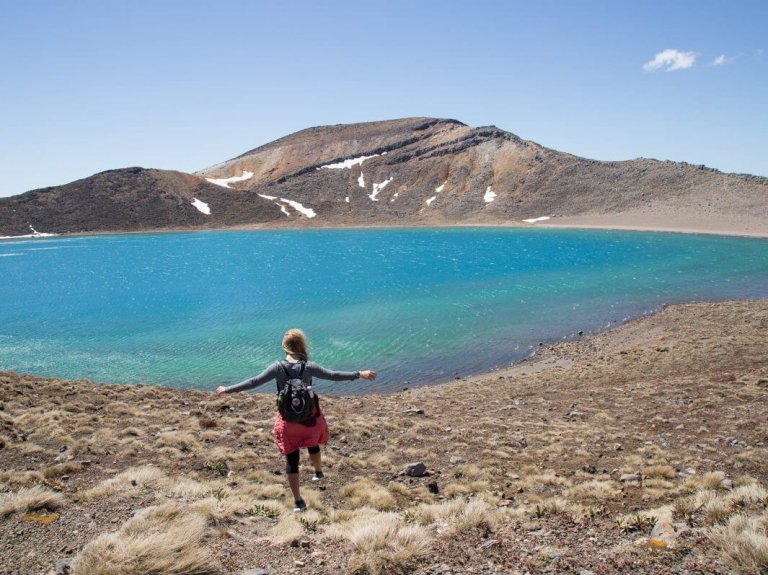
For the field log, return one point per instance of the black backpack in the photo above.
(296, 399)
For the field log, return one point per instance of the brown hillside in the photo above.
(414, 171)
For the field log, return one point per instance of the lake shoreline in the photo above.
(591, 222)
(538, 326)
(554, 455)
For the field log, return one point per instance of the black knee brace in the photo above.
(313, 450)
(292, 462)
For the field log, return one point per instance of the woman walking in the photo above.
(291, 436)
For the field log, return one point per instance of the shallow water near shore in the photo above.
(201, 309)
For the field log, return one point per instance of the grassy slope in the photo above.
(527, 461)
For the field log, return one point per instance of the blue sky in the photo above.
(90, 85)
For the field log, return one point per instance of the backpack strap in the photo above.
(285, 364)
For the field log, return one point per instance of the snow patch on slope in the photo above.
(34, 234)
(534, 220)
(349, 163)
(224, 182)
(308, 212)
(201, 206)
(489, 195)
(378, 187)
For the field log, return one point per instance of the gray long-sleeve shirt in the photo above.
(276, 372)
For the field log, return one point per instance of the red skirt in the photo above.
(291, 436)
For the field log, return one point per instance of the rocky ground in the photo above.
(640, 450)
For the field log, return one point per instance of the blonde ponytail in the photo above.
(295, 344)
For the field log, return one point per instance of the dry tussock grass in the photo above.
(710, 480)
(411, 494)
(381, 461)
(470, 471)
(188, 488)
(716, 509)
(165, 539)
(749, 494)
(62, 469)
(539, 482)
(267, 508)
(594, 490)
(743, 543)
(457, 515)
(382, 542)
(541, 507)
(17, 479)
(262, 476)
(30, 499)
(102, 442)
(311, 519)
(353, 463)
(31, 448)
(660, 472)
(219, 510)
(287, 529)
(718, 506)
(463, 489)
(181, 440)
(499, 453)
(365, 492)
(659, 484)
(146, 476)
(260, 491)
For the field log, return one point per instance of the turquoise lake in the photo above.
(202, 309)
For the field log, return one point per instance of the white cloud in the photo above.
(723, 59)
(671, 60)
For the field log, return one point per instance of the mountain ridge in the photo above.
(408, 171)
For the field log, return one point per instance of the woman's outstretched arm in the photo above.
(322, 373)
(265, 376)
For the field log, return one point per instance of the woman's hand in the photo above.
(368, 374)
(220, 390)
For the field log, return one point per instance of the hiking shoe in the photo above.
(318, 476)
(299, 506)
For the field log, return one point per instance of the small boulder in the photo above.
(488, 544)
(415, 469)
(627, 477)
(63, 566)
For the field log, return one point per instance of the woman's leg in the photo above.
(315, 458)
(292, 472)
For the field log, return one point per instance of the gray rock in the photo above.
(727, 484)
(629, 477)
(415, 469)
(488, 544)
(63, 566)
(456, 459)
